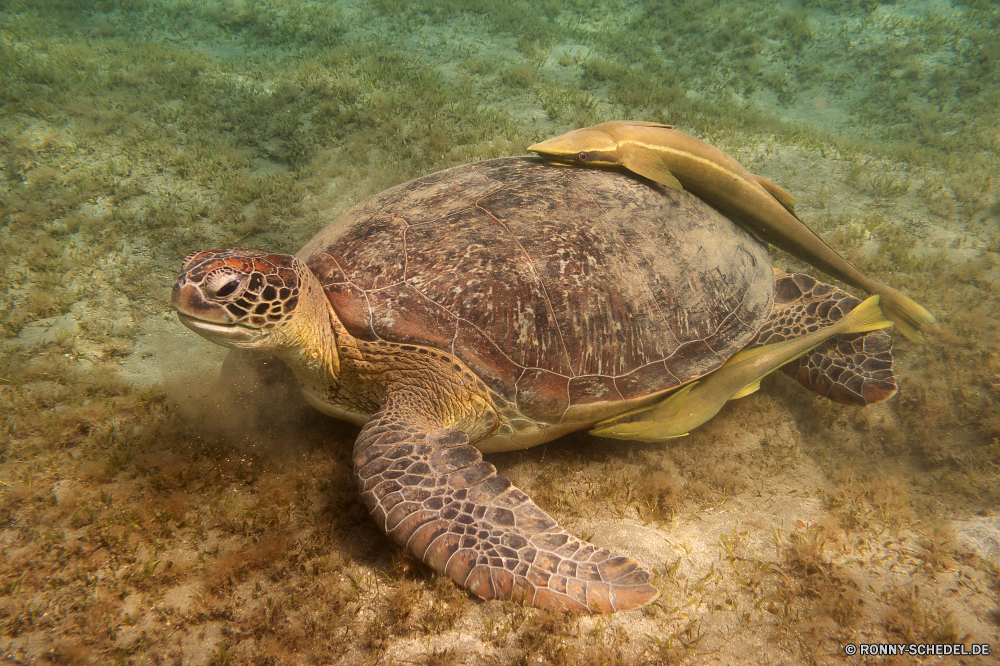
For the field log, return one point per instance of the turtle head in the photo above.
(241, 298)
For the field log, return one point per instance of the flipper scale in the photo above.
(439, 499)
(853, 369)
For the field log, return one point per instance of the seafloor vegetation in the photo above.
(149, 516)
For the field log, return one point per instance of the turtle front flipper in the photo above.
(431, 491)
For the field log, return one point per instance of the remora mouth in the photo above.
(553, 158)
(540, 149)
(220, 333)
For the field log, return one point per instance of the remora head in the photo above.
(582, 146)
(239, 298)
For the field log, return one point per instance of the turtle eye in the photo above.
(223, 284)
(228, 288)
(582, 157)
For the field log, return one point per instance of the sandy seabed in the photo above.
(151, 513)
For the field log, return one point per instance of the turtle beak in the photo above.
(209, 319)
(231, 335)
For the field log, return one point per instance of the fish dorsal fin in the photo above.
(646, 163)
(752, 387)
(783, 196)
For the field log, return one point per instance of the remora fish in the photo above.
(675, 159)
(699, 401)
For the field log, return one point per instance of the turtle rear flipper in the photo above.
(850, 369)
(431, 491)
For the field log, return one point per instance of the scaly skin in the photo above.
(431, 491)
(848, 369)
(423, 482)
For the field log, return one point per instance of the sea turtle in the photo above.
(499, 305)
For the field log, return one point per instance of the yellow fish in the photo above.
(675, 159)
(691, 406)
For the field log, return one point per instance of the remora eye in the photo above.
(582, 157)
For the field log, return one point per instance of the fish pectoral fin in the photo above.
(638, 431)
(752, 387)
(623, 426)
(647, 424)
(630, 425)
(670, 407)
(647, 163)
(782, 195)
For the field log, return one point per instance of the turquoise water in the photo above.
(135, 494)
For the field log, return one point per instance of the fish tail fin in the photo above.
(867, 316)
(904, 312)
